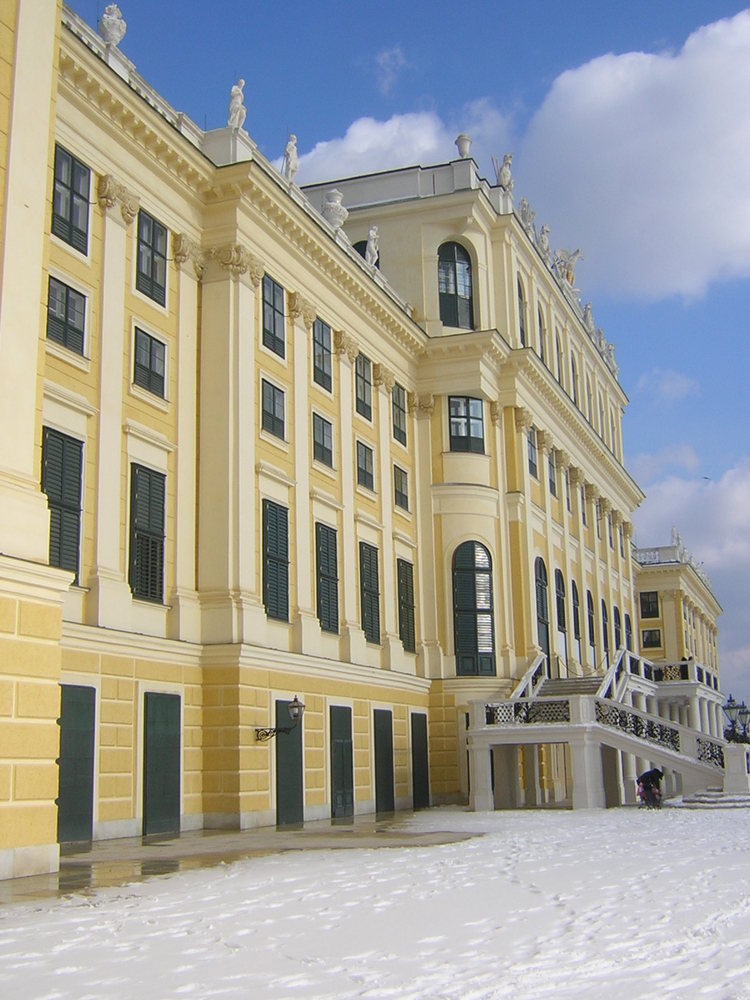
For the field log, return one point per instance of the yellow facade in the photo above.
(143, 349)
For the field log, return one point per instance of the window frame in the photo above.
(401, 488)
(552, 473)
(365, 466)
(363, 386)
(532, 450)
(462, 414)
(62, 330)
(65, 502)
(276, 560)
(62, 224)
(467, 611)
(274, 316)
(399, 413)
(454, 276)
(369, 591)
(406, 617)
(271, 422)
(327, 580)
(322, 355)
(651, 638)
(648, 602)
(146, 376)
(149, 257)
(322, 448)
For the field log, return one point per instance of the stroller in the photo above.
(648, 788)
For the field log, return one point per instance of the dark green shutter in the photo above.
(369, 591)
(75, 803)
(419, 762)
(327, 574)
(62, 465)
(384, 786)
(161, 764)
(289, 791)
(342, 769)
(405, 575)
(147, 496)
(276, 560)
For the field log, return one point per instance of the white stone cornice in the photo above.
(302, 307)
(111, 192)
(144, 433)
(383, 376)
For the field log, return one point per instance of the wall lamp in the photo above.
(296, 711)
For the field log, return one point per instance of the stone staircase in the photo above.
(711, 798)
(567, 687)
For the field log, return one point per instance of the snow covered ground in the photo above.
(614, 905)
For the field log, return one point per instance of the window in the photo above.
(62, 465)
(591, 619)
(322, 373)
(400, 488)
(322, 440)
(327, 573)
(150, 363)
(66, 315)
(589, 397)
(617, 623)
(605, 631)
(576, 617)
(583, 506)
(70, 201)
(651, 638)
(567, 490)
(365, 466)
(542, 609)
(610, 531)
(405, 582)
(573, 380)
(454, 286)
(276, 560)
(542, 333)
(628, 633)
(649, 604)
(560, 600)
(398, 409)
(521, 313)
(273, 409)
(473, 620)
(151, 276)
(369, 591)
(598, 515)
(147, 494)
(466, 424)
(531, 447)
(273, 317)
(558, 355)
(363, 379)
(552, 473)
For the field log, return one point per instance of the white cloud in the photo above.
(667, 386)
(643, 160)
(714, 521)
(648, 466)
(403, 140)
(389, 63)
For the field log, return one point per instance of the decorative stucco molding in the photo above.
(383, 376)
(422, 403)
(345, 344)
(524, 419)
(184, 249)
(111, 192)
(302, 307)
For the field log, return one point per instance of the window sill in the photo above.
(78, 254)
(67, 355)
(158, 402)
(281, 443)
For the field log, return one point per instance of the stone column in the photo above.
(588, 782)
(353, 644)
(481, 799)
(108, 601)
(383, 381)
(429, 662)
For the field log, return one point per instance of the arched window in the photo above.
(558, 356)
(589, 398)
(562, 636)
(473, 623)
(573, 380)
(618, 627)
(591, 627)
(521, 313)
(605, 632)
(454, 286)
(542, 332)
(576, 618)
(628, 633)
(542, 609)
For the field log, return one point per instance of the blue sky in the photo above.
(630, 128)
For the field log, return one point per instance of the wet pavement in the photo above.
(103, 863)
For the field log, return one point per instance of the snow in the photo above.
(619, 904)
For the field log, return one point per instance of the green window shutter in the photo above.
(327, 574)
(147, 498)
(473, 618)
(62, 466)
(405, 577)
(276, 560)
(369, 591)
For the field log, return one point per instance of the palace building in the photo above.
(312, 500)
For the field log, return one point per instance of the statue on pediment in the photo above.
(333, 211)
(588, 319)
(564, 265)
(372, 250)
(503, 172)
(112, 26)
(543, 244)
(527, 215)
(290, 166)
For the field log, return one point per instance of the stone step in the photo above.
(713, 798)
(570, 686)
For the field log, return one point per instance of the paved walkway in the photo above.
(118, 862)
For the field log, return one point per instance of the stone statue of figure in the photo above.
(504, 178)
(588, 318)
(290, 166)
(527, 215)
(565, 265)
(112, 27)
(372, 249)
(544, 247)
(237, 109)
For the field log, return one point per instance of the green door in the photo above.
(289, 797)
(383, 725)
(420, 778)
(342, 768)
(75, 803)
(161, 765)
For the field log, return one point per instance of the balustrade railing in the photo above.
(638, 725)
(527, 711)
(710, 752)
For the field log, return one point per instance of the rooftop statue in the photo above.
(237, 109)
(543, 244)
(112, 27)
(290, 166)
(372, 251)
(527, 216)
(565, 265)
(502, 171)
(588, 319)
(333, 211)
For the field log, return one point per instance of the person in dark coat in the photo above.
(649, 786)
